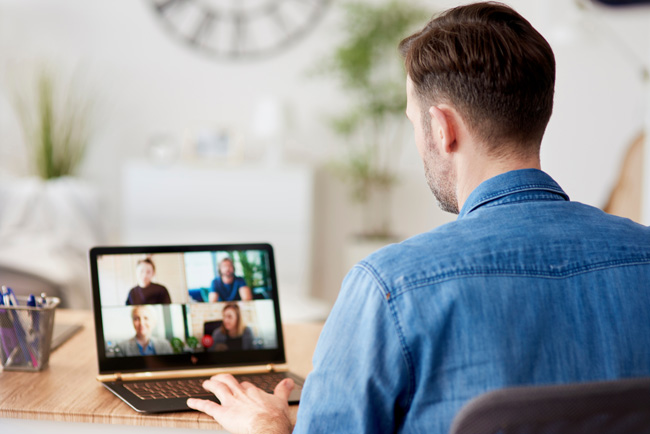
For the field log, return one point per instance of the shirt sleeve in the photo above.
(213, 287)
(128, 298)
(247, 339)
(360, 381)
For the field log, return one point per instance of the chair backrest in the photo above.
(612, 407)
(211, 326)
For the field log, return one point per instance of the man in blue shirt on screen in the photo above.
(227, 286)
(525, 287)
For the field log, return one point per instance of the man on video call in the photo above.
(525, 287)
(227, 286)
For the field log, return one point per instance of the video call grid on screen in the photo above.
(180, 299)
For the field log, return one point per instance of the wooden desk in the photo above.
(67, 391)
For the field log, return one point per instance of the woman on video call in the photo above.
(143, 343)
(233, 334)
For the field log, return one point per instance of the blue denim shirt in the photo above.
(525, 287)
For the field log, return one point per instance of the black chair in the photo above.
(211, 326)
(608, 407)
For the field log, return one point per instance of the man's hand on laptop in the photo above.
(245, 408)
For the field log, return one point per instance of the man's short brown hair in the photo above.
(146, 261)
(493, 67)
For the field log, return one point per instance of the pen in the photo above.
(34, 331)
(4, 295)
(10, 359)
(22, 341)
(4, 351)
(8, 336)
(12, 297)
(18, 327)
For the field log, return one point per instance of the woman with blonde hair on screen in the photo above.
(143, 343)
(233, 334)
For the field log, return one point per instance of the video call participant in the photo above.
(524, 287)
(143, 344)
(233, 333)
(147, 292)
(228, 287)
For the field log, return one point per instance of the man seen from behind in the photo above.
(525, 287)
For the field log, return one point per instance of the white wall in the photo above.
(600, 101)
(147, 84)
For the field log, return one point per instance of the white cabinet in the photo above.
(186, 204)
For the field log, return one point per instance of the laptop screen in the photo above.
(178, 307)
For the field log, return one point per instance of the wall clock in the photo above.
(238, 29)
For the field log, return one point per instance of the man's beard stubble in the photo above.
(440, 176)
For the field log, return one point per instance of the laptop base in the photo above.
(158, 403)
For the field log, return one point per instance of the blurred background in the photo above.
(129, 122)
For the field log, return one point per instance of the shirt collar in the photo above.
(509, 183)
(148, 350)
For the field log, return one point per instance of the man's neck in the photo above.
(475, 171)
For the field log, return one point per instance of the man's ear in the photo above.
(442, 127)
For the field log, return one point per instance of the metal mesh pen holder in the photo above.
(26, 334)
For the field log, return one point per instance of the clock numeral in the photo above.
(279, 18)
(205, 27)
(166, 5)
(238, 28)
(239, 34)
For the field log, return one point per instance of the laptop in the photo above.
(169, 317)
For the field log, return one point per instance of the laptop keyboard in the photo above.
(192, 387)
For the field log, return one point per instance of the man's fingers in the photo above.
(225, 386)
(229, 381)
(220, 390)
(244, 407)
(284, 388)
(247, 386)
(208, 407)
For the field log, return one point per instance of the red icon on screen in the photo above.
(207, 341)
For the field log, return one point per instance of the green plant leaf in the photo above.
(56, 129)
(369, 69)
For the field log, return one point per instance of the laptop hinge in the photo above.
(187, 373)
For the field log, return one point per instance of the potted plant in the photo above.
(55, 123)
(50, 220)
(369, 69)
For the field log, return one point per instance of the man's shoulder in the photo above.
(127, 344)
(437, 242)
(428, 252)
(520, 238)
